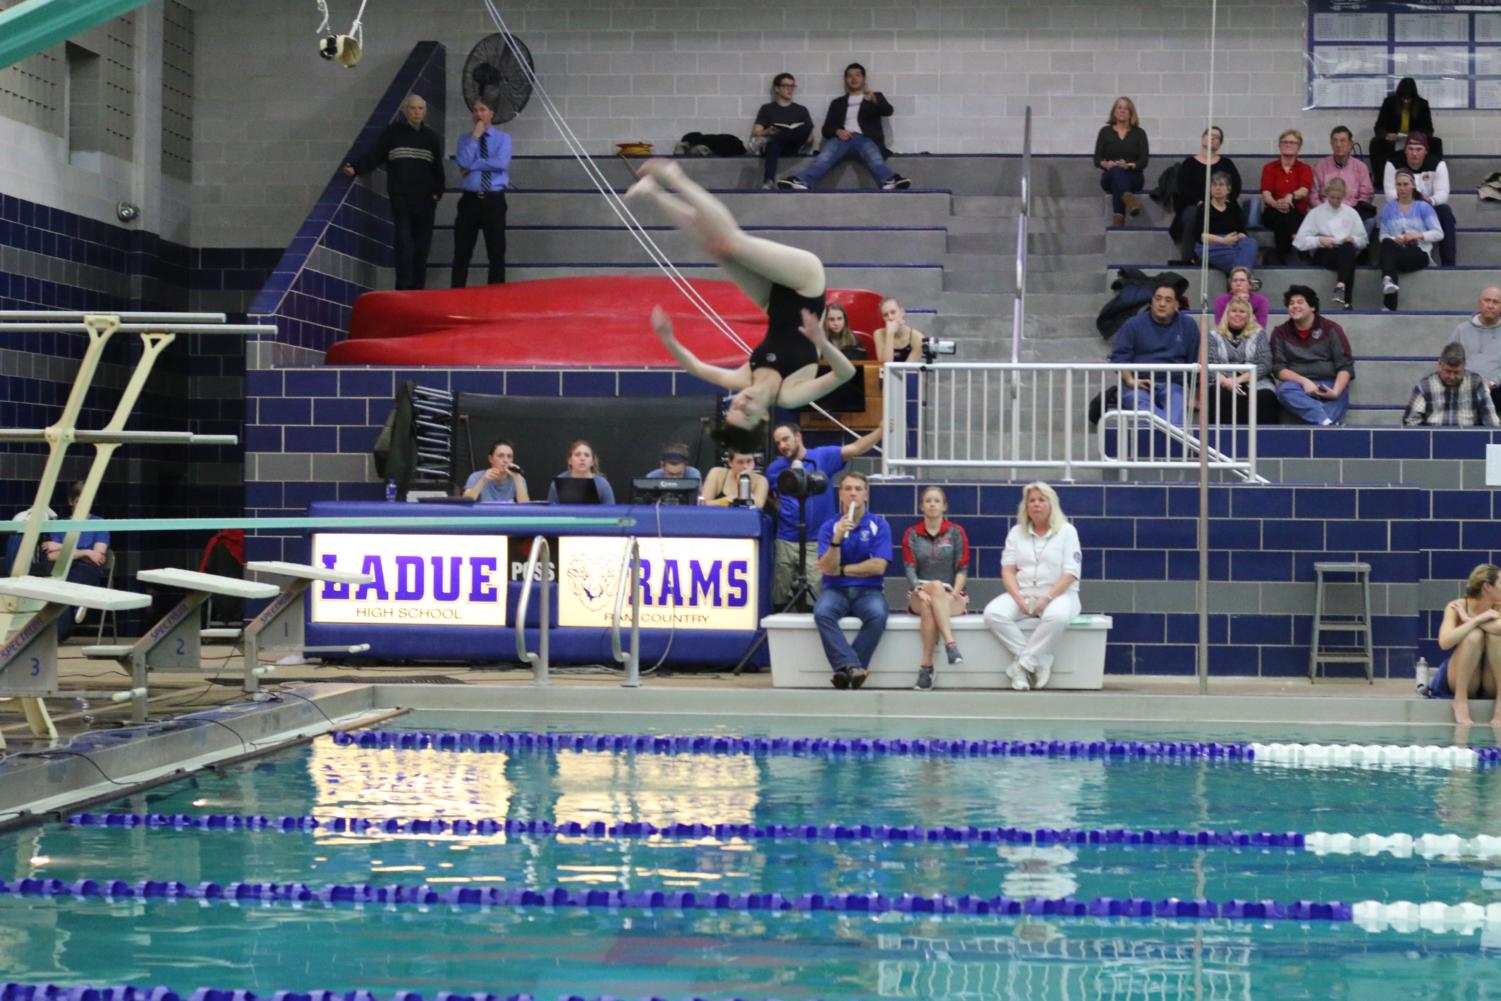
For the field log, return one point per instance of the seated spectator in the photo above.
(722, 485)
(1242, 282)
(1161, 335)
(1471, 631)
(782, 125)
(1229, 247)
(848, 397)
(502, 482)
(1312, 361)
(581, 482)
(1451, 396)
(1121, 152)
(674, 464)
(1480, 336)
(1193, 172)
(1240, 340)
(836, 323)
(1402, 113)
(854, 550)
(1285, 184)
(935, 553)
(1333, 236)
(897, 340)
(1360, 192)
(1431, 177)
(86, 562)
(1409, 229)
(1040, 569)
(852, 130)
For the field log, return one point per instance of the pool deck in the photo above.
(1145, 698)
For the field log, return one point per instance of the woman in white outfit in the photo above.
(1040, 568)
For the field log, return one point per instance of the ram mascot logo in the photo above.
(593, 580)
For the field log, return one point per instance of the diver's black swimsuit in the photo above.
(784, 348)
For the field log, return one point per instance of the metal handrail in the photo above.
(539, 660)
(1122, 419)
(630, 562)
(1018, 306)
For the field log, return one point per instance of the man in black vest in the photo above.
(852, 130)
(413, 155)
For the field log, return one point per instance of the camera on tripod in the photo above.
(800, 482)
(932, 347)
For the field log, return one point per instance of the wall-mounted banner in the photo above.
(1359, 49)
(686, 583)
(443, 580)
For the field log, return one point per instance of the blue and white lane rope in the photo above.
(1428, 846)
(1371, 915)
(1297, 755)
(13, 991)
(689, 900)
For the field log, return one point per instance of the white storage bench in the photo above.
(797, 658)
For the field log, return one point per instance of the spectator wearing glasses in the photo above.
(1285, 184)
(782, 125)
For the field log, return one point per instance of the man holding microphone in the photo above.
(853, 552)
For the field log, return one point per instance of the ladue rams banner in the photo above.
(442, 580)
(697, 583)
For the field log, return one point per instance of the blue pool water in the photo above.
(185, 944)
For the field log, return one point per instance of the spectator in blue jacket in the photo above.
(854, 550)
(484, 159)
(1161, 335)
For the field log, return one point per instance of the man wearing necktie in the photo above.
(484, 159)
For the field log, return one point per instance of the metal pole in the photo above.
(1202, 592)
(633, 657)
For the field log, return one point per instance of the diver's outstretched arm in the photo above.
(734, 379)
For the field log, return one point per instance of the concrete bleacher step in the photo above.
(1433, 288)
(916, 285)
(583, 207)
(558, 245)
(1473, 246)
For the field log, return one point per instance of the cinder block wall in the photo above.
(272, 115)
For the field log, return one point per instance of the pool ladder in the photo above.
(630, 563)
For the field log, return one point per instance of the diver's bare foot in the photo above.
(1462, 715)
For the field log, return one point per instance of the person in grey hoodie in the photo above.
(1480, 336)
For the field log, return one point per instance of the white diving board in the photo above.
(279, 626)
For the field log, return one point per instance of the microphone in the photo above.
(517, 469)
(745, 487)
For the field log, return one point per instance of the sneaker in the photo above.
(924, 680)
(791, 184)
(951, 651)
(896, 182)
(1339, 297)
(768, 185)
(1389, 287)
(1018, 677)
(1133, 204)
(841, 678)
(1043, 673)
(858, 676)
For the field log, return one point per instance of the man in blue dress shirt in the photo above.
(484, 160)
(854, 550)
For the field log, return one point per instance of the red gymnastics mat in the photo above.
(602, 321)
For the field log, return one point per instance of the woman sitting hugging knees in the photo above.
(1471, 631)
(935, 552)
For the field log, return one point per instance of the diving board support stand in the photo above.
(174, 642)
(280, 625)
(28, 659)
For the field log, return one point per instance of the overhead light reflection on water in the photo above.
(657, 789)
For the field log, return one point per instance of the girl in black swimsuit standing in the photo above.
(786, 282)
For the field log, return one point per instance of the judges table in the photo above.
(451, 594)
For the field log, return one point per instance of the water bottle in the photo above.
(745, 488)
(391, 489)
(1421, 672)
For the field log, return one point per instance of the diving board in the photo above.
(279, 626)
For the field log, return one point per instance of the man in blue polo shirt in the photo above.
(1161, 335)
(86, 567)
(828, 459)
(853, 552)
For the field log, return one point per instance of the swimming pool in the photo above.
(629, 950)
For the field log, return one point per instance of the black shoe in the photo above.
(841, 678)
(1341, 296)
(858, 676)
(1389, 301)
(924, 679)
(896, 182)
